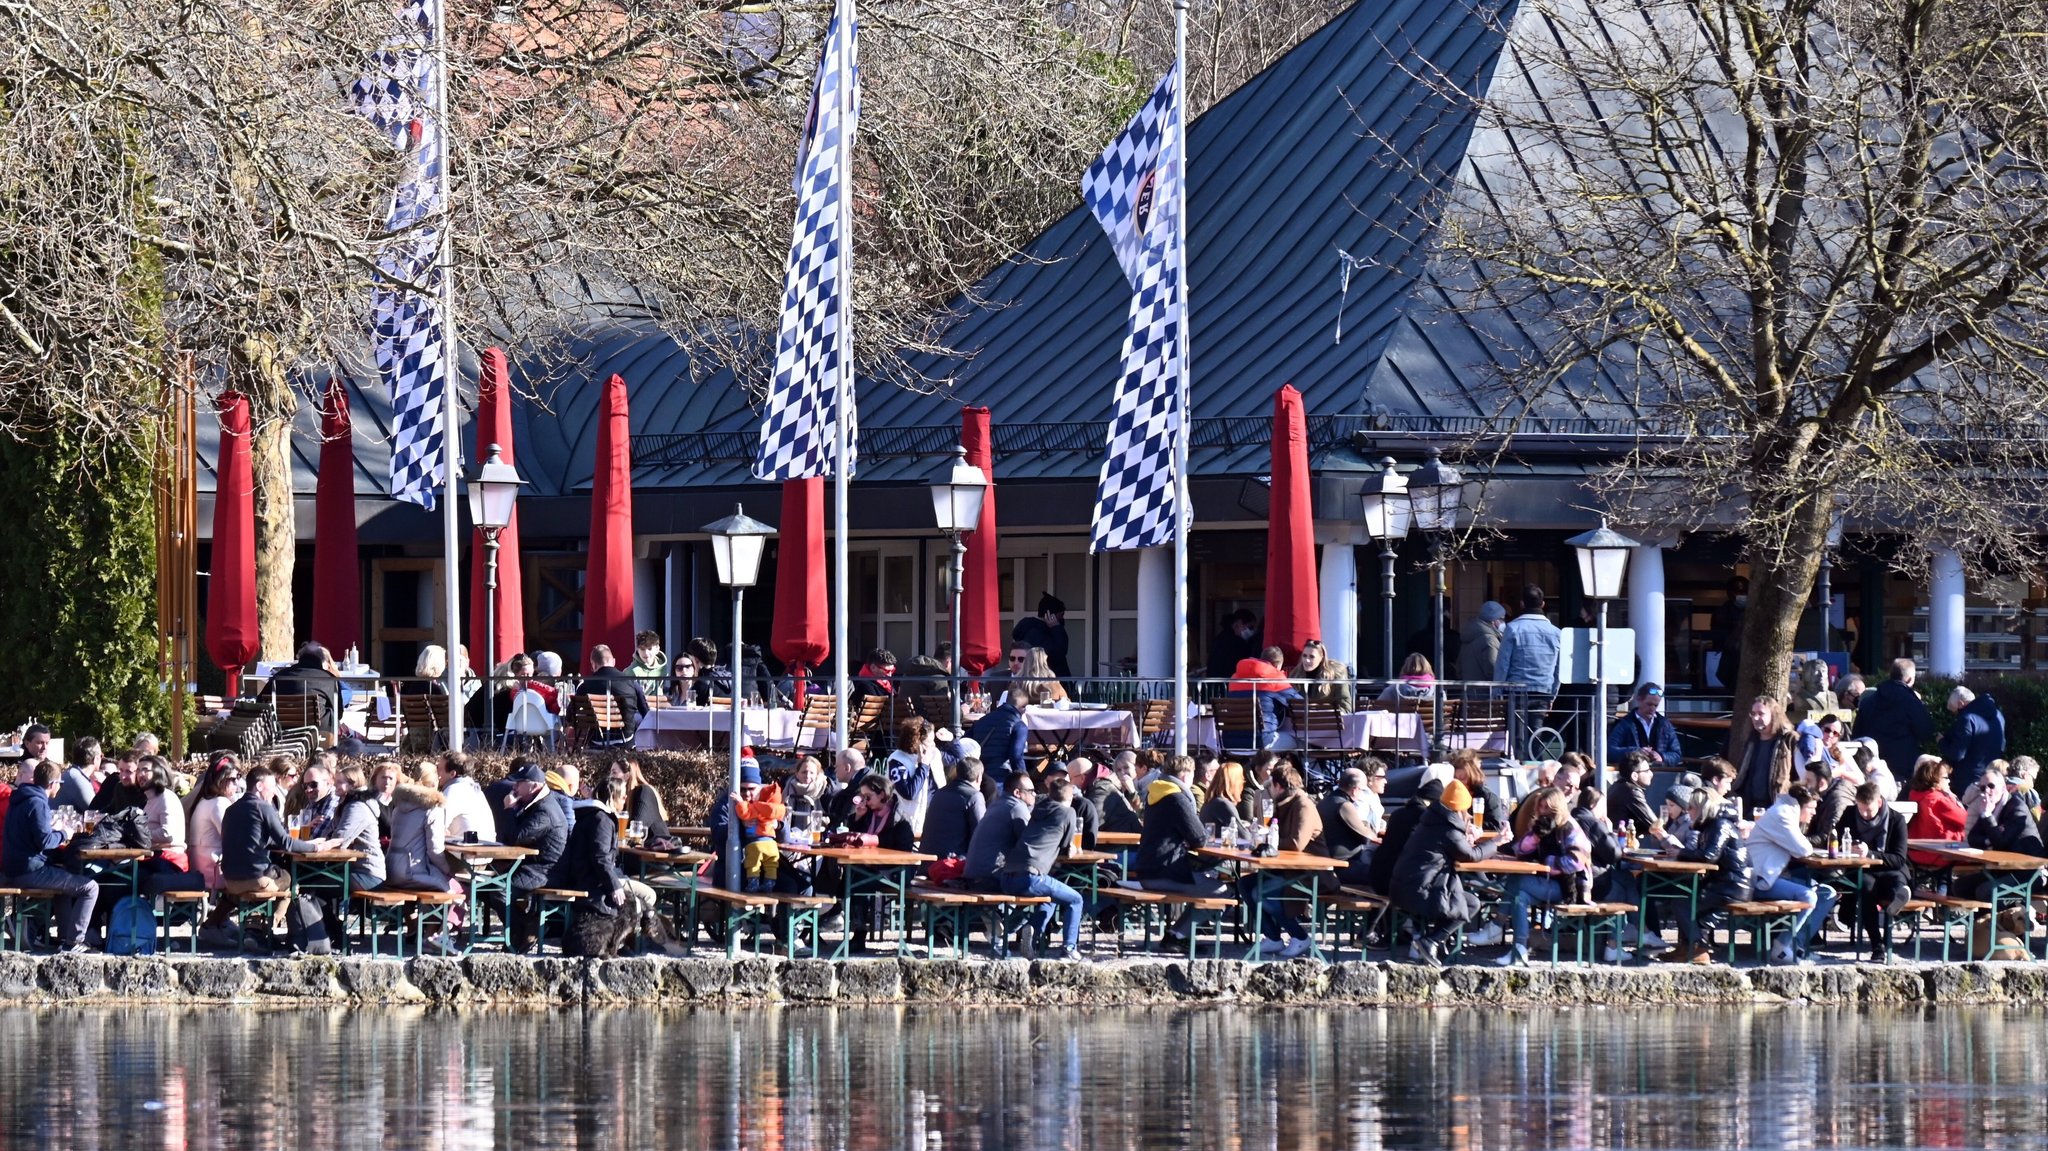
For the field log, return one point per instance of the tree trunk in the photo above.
(1781, 575)
(271, 408)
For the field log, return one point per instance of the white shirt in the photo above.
(1778, 838)
(205, 838)
(163, 817)
(468, 810)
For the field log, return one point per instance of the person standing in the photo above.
(1895, 716)
(1645, 728)
(1237, 642)
(1481, 647)
(1003, 736)
(1975, 737)
(1528, 658)
(1771, 761)
(1047, 631)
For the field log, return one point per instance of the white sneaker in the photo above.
(1486, 936)
(1613, 954)
(1781, 954)
(1653, 945)
(1295, 949)
(1516, 957)
(1271, 947)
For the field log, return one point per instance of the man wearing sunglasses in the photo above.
(1645, 728)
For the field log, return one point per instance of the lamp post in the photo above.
(737, 542)
(1825, 590)
(1387, 514)
(956, 505)
(1436, 491)
(493, 492)
(1603, 561)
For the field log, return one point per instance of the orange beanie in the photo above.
(1457, 797)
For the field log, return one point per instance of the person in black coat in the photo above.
(1426, 882)
(1882, 890)
(1400, 828)
(1166, 859)
(536, 822)
(1628, 800)
(1106, 792)
(1896, 717)
(955, 810)
(1046, 631)
(1003, 736)
(1836, 797)
(607, 679)
(2001, 823)
(1088, 817)
(309, 676)
(590, 864)
(1718, 840)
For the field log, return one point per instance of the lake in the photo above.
(891, 1078)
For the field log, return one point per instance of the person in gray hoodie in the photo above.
(1027, 871)
(1481, 646)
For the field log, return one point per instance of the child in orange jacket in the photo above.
(760, 810)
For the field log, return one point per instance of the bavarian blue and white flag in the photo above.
(396, 94)
(1133, 190)
(796, 431)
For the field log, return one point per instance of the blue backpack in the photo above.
(131, 929)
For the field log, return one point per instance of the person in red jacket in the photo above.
(1940, 815)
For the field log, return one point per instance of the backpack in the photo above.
(131, 929)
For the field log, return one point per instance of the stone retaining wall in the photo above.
(501, 980)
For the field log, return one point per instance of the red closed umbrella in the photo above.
(801, 634)
(1293, 608)
(231, 637)
(608, 577)
(337, 569)
(981, 623)
(494, 426)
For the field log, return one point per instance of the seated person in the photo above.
(607, 679)
(1719, 842)
(1883, 890)
(251, 833)
(956, 809)
(760, 811)
(1266, 685)
(2000, 823)
(1166, 859)
(28, 843)
(1646, 729)
(309, 677)
(1426, 882)
(1028, 866)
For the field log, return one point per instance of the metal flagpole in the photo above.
(843, 352)
(1183, 508)
(451, 445)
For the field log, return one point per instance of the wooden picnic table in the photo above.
(1980, 858)
(1116, 838)
(124, 862)
(671, 859)
(1499, 866)
(869, 871)
(1301, 873)
(483, 877)
(1666, 876)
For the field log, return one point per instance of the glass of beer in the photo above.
(636, 833)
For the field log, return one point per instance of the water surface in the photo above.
(930, 1077)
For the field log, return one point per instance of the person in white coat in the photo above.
(1776, 841)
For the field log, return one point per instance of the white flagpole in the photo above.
(1183, 509)
(843, 339)
(451, 444)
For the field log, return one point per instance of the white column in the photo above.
(1338, 581)
(1946, 595)
(1646, 610)
(1155, 614)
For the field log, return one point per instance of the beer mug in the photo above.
(636, 832)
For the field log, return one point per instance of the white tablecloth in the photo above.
(1383, 728)
(671, 728)
(1076, 726)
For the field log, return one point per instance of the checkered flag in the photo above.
(796, 432)
(396, 95)
(1131, 187)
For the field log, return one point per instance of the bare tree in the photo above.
(1799, 244)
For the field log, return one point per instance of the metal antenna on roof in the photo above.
(1346, 265)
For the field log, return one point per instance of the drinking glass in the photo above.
(636, 832)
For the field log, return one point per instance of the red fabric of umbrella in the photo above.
(1293, 608)
(337, 570)
(231, 637)
(981, 624)
(494, 426)
(801, 635)
(608, 577)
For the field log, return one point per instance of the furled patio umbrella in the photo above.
(337, 569)
(494, 426)
(981, 623)
(608, 576)
(231, 637)
(801, 635)
(1293, 608)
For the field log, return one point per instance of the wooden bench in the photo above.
(554, 905)
(17, 904)
(1947, 911)
(1356, 911)
(1587, 922)
(182, 907)
(958, 909)
(382, 908)
(759, 908)
(432, 910)
(1766, 918)
(1149, 902)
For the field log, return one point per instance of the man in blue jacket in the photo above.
(1529, 651)
(1645, 727)
(1895, 716)
(26, 843)
(1002, 736)
(1974, 739)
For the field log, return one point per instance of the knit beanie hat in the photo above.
(750, 767)
(1457, 797)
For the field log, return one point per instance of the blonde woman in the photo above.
(416, 858)
(1325, 680)
(1770, 763)
(430, 672)
(1036, 675)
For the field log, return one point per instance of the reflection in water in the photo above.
(890, 1078)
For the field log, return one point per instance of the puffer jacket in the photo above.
(1720, 843)
(1172, 833)
(1426, 879)
(419, 835)
(1401, 825)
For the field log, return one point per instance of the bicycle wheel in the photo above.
(1545, 743)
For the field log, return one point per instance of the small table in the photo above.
(122, 862)
(1117, 838)
(1085, 866)
(1836, 870)
(2012, 874)
(1300, 872)
(482, 878)
(1670, 878)
(648, 863)
(869, 871)
(1505, 867)
(1063, 729)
